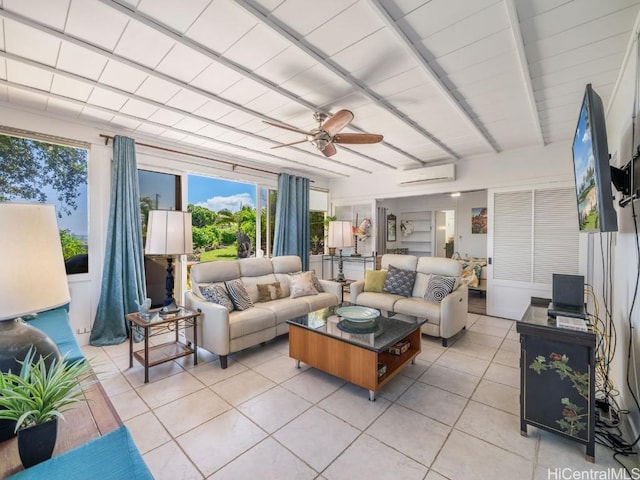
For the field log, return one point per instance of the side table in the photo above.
(156, 324)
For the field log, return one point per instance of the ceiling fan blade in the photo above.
(289, 144)
(329, 150)
(337, 122)
(357, 138)
(287, 127)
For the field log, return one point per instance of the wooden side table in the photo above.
(157, 324)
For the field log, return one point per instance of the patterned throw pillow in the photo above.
(316, 282)
(238, 294)
(374, 280)
(301, 284)
(269, 291)
(216, 294)
(399, 281)
(439, 287)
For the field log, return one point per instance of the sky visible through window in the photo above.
(218, 194)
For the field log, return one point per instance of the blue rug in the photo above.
(113, 456)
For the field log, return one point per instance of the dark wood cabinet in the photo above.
(557, 377)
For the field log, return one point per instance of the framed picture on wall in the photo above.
(479, 220)
(391, 228)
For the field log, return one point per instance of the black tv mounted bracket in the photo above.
(627, 180)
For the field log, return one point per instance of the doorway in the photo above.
(445, 233)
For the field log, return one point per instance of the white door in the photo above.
(533, 233)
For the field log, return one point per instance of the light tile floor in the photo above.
(453, 415)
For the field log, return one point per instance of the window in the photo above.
(318, 221)
(268, 199)
(44, 169)
(224, 218)
(158, 191)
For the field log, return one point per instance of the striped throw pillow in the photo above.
(238, 294)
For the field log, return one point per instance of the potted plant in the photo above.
(36, 397)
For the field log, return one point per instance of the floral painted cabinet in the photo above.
(557, 380)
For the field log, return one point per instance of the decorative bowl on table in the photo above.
(357, 314)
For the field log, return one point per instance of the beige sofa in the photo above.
(444, 319)
(223, 332)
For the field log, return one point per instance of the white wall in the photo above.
(625, 257)
(469, 244)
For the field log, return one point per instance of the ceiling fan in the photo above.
(327, 133)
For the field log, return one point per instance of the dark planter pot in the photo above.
(36, 443)
(7, 429)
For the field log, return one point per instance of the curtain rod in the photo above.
(170, 150)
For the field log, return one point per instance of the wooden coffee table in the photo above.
(317, 340)
(157, 324)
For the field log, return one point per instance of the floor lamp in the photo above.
(340, 236)
(169, 234)
(33, 280)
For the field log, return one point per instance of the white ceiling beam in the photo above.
(216, 57)
(305, 47)
(133, 96)
(160, 125)
(112, 56)
(411, 49)
(514, 23)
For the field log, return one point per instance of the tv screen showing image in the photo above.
(591, 167)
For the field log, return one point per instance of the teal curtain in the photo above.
(123, 281)
(292, 218)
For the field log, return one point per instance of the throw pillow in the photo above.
(269, 291)
(316, 282)
(399, 282)
(301, 284)
(420, 287)
(216, 294)
(238, 294)
(374, 280)
(439, 287)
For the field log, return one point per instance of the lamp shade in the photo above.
(169, 233)
(340, 234)
(33, 275)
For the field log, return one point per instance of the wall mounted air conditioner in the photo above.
(438, 173)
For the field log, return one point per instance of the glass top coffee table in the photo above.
(361, 353)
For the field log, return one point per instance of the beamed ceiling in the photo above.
(440, 79)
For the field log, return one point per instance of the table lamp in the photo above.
(33, 280)
(169, 234)
(340, 236)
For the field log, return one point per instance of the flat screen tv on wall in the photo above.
(591, 167)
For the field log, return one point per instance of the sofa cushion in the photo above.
(286, 308)
(322, 300)
(301, 284)
(420, 287)
(381, 301)
(238, 294)
(216, 293)
(420, 308)
(439, 287)
(399, 281)
(55, 323)
(269, 291)
(374, 280)
(250, 321)
(251, 284)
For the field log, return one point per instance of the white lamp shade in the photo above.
(340, 234)
(169, 233)
(33, 276)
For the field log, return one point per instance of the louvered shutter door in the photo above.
(556, 234)
(512, 236)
